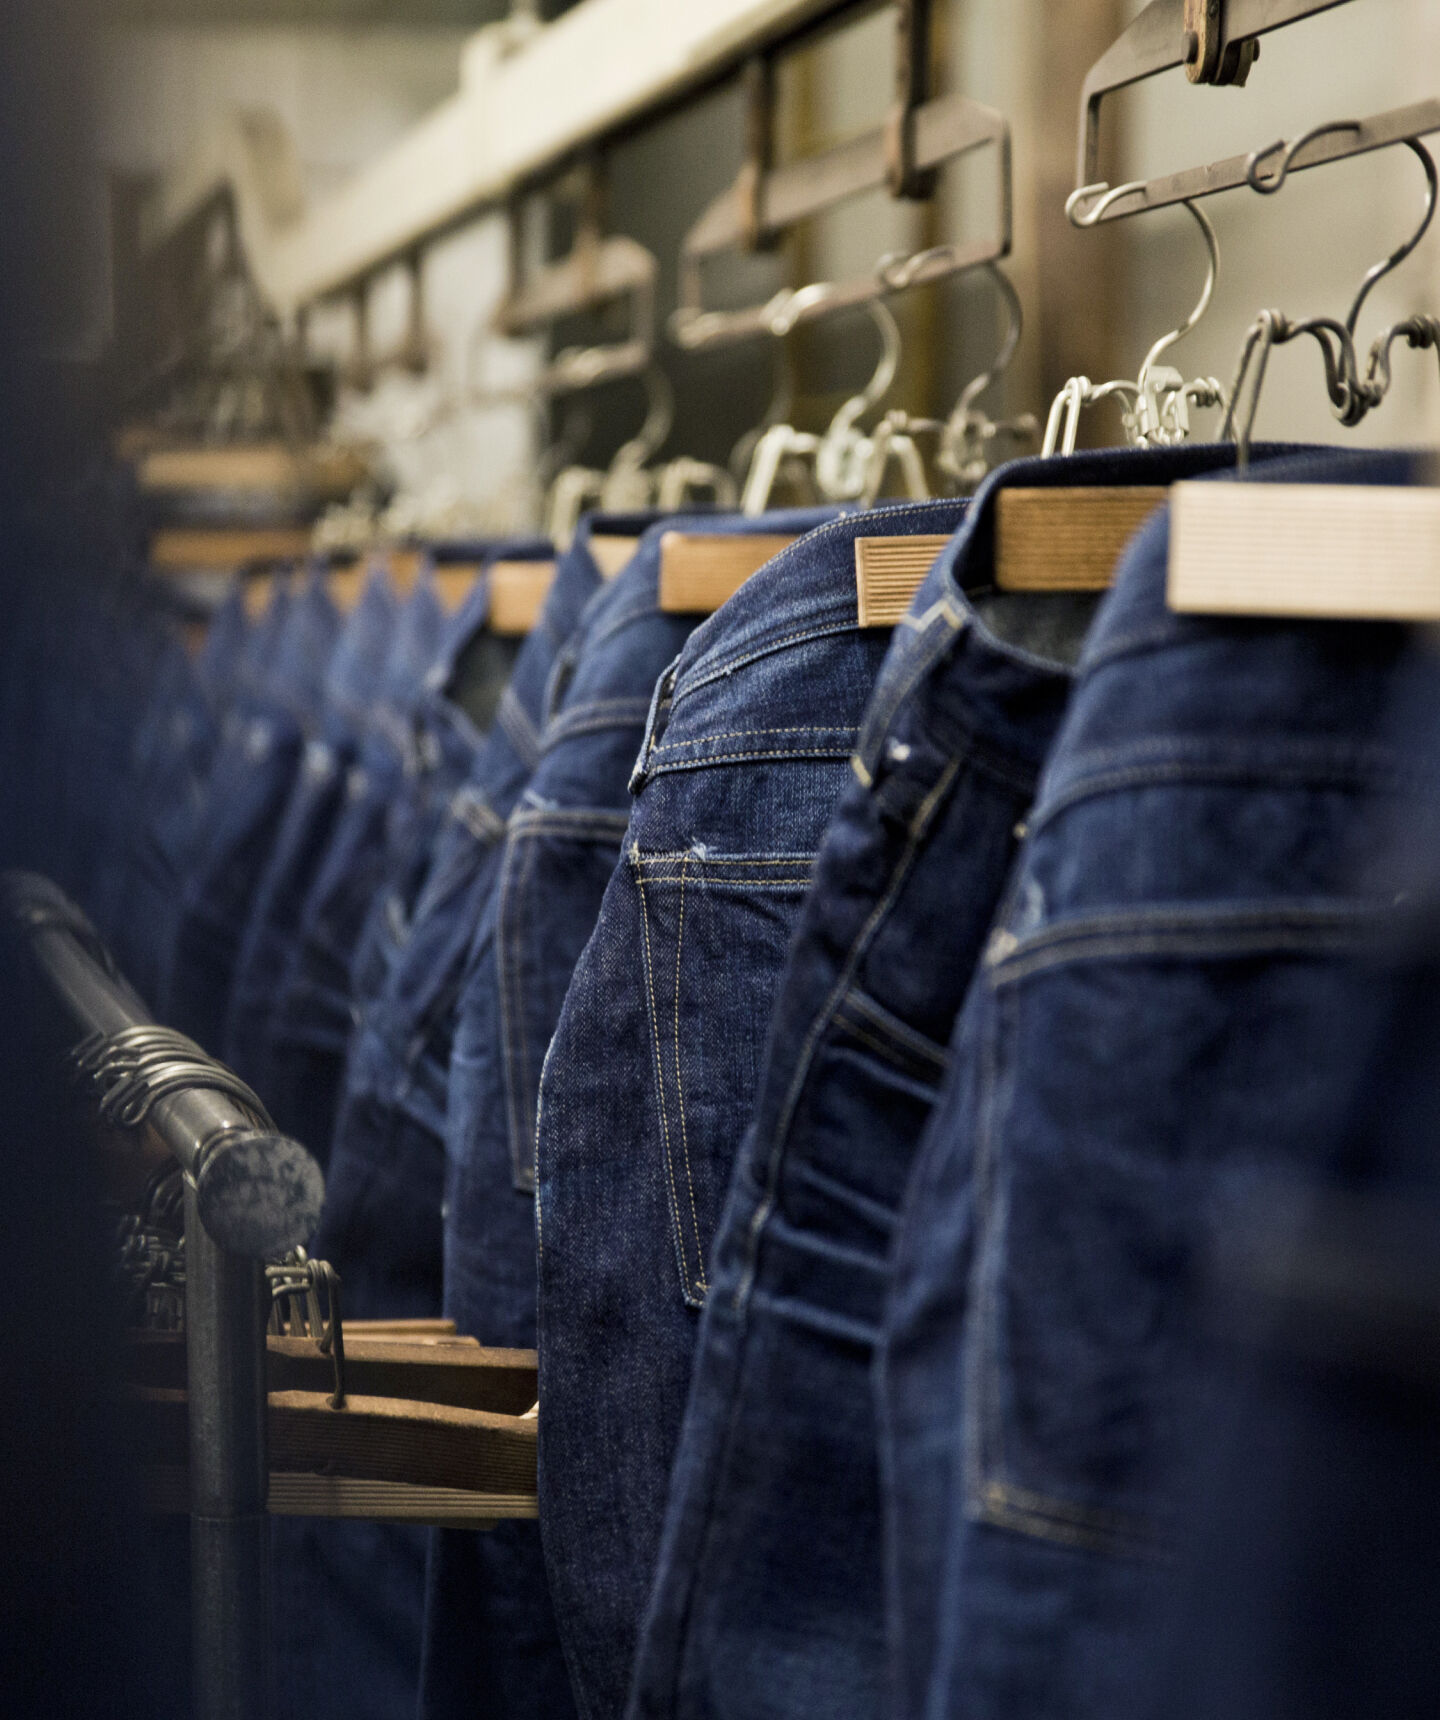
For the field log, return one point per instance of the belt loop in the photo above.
(919, 643)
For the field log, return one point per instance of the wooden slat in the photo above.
(700, 571)
(266, 467)
(437, 1369)
(1067, 539)
(185, 549)
(166, 1491)
(518, 590)
(612, 555)
(1345, 552)
(370, 1439)
(888, 573)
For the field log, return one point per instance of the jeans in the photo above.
(1307, 1578)
(381, 1224)
(312, 1019)
(314, 809)
(1164, 1011)
(649, 1081)
(174, 746)
(254, 771)
(488, 1612)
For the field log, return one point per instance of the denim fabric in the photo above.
(313, 1020)
(249, 786)
(1164, 1010)
(174, 750)
(381, 1224)
(489, 1625)
(315, 806)
(768, 1596)
(1308, 1580)
(650, 1078)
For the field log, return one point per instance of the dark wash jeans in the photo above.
(315, 807)
(254, 773)
(1308, 1582)
(313, 1014)
(650, 1078)
(381, 1225)
(488, 1612)
(1164, 1009)
(768, 1596)
(174, 750)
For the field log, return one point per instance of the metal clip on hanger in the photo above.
(1353, 396)
(968, 436)
(1157, 404)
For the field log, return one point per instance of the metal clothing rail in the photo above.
(249, 1193)
(529, 98)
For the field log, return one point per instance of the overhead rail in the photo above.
(530, 97)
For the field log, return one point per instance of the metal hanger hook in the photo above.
(1212, 278)
(1014, 328)
(1397, 257)
(1267, 187)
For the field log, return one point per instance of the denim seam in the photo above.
(556, 821)
(513, 1045)
(746, 734)
(822, 629)
(515, 720)
(793, 757)
(1209, 930)
(1017, 1509)
(903, 1036)
(824, 1017)
(700, 1279)
(1356, 775)
(894, 1056)
(660, 1088)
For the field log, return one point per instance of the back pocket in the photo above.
(715, 929)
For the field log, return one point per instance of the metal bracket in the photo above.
(1225, 40)
(1209, 57)
(598, 271)
(904, 175)
(769, 203)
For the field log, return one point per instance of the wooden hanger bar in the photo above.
(1342, 552)
(266, 466)
(888, 573)
(700, 571)
(187, 549)
(454, 581)
(1045, 540)
(518, 590)
(612, 555)
(1067, 539)
(427, 1369)
(166, 1491)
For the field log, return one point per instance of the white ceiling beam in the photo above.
(601, 66)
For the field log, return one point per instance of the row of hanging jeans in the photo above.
(952, 1105)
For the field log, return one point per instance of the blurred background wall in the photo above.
(348, 77)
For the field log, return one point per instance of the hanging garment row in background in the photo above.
(875, 1055)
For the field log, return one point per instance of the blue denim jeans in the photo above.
(381, 1225)
(254, 771)
(1307, 1577)
(488, 1610)
(313, 1013)
(170, 761)
(310, 819)
(650, 1078)
(1164, 1010)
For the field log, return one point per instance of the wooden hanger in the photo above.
(1062, 539)
(518, 590)
(700, 571)
(1340, 552)
(612, 555)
